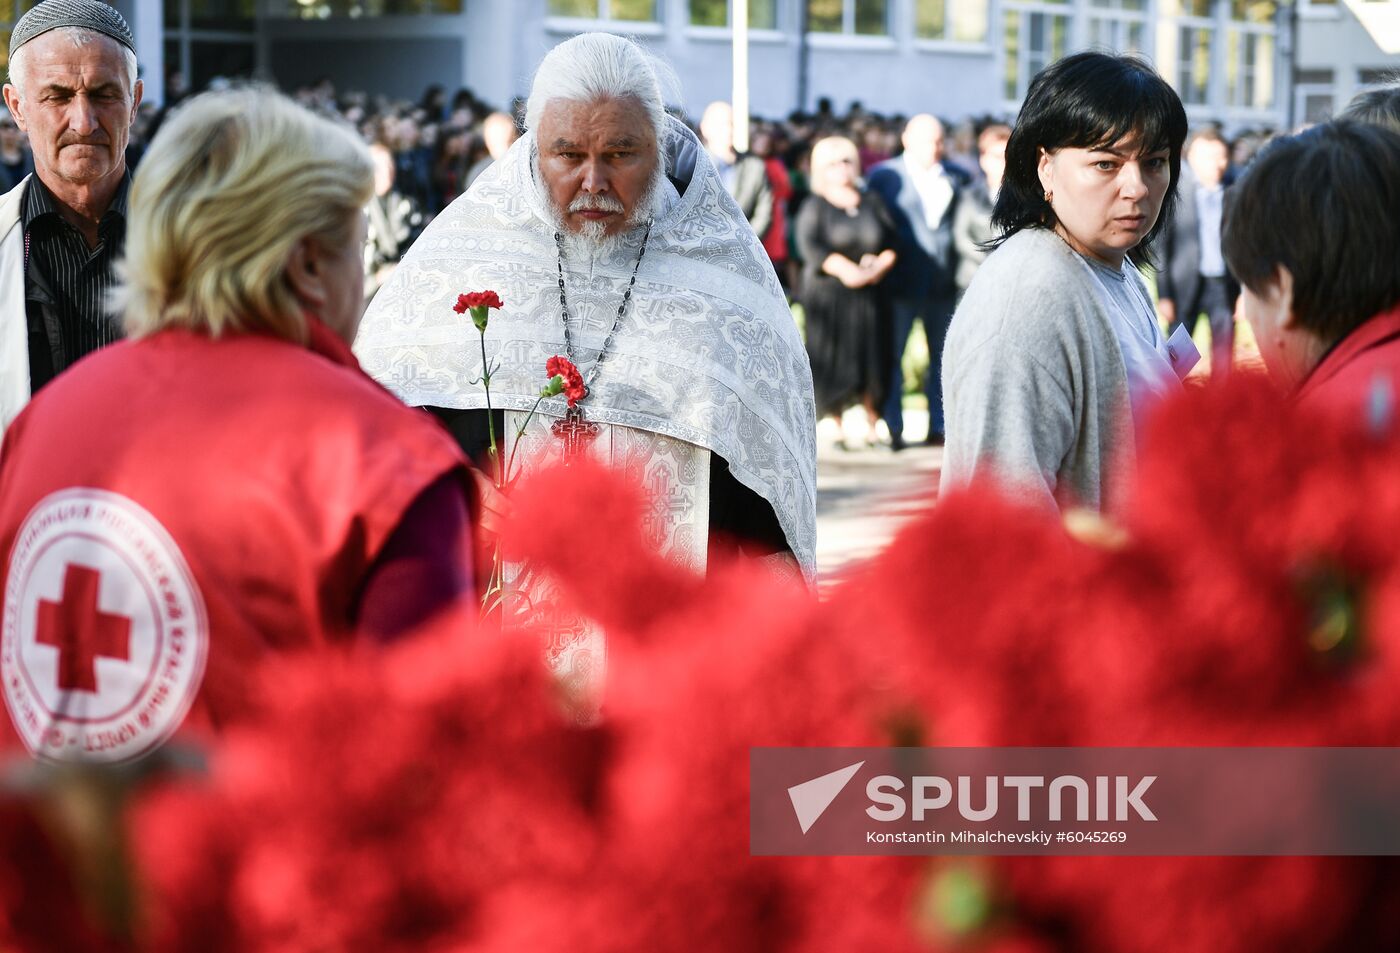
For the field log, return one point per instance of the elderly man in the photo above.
(73, 89)
(922, 193)
(611, 239)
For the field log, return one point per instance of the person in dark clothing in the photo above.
(922, 193)
(63, 227)
(846, 237)
(15, 160)
(1194, 279)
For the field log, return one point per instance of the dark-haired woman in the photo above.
(1330, 334)
(1055, 358)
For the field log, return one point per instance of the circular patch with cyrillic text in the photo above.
(104, 635)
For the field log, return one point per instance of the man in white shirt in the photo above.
(922, 193)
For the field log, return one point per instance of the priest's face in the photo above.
(598, 161)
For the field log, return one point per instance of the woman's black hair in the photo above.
(1086, 101)
(1323, 205)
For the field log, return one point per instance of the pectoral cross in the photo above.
(576, 433)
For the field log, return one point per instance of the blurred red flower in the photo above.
(435, 796)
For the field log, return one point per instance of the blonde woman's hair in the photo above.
(828, 151)
(231, 184)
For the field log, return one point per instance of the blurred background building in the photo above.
(1241, 63)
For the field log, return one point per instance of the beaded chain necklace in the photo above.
(574, 430)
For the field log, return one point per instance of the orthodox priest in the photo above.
(611, 239)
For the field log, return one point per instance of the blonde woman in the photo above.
(227, 480)
(846, 238)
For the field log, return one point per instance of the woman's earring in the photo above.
(1047, 198)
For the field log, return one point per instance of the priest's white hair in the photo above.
(593, 66)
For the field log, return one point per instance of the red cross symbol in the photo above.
(81, 632)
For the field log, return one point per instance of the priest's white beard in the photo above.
(591, 240)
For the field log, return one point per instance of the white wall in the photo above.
(145, 19)
(1336, 40)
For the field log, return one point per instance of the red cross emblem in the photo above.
(80, 631)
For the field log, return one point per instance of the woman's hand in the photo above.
(493, 507)
(849, 273)
(876, 267)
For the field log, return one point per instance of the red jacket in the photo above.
(775, 241)
(1367, 358)
(174, 507)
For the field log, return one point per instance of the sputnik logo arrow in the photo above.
(810, 799)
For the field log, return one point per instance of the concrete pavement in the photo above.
(865, 495)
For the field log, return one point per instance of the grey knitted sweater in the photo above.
(1035, 389)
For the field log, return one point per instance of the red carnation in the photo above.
(479, 304)
(477, 299)
(574, 388)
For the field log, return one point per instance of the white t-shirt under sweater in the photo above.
(1134, 320)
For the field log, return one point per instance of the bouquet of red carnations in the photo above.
(437, 797)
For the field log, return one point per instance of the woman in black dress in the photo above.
(846, 239)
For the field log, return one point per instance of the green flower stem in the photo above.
(510, 461)
(490, 416)
(496, 584)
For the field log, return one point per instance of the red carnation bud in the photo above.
(574, 388)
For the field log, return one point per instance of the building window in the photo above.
(636, 11)
(763, 14)
(1119, 25)
(1185, 47)
(854, 17)
(1249, 70)
(1377, 77)
(1314, 95)
(1035, 35)
(1193, 64)
(1316, 106)
(212, 14)
(962, 21)
(1249, 55)
(355, 9)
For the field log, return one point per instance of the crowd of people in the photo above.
(936, 181)
(933, 181)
